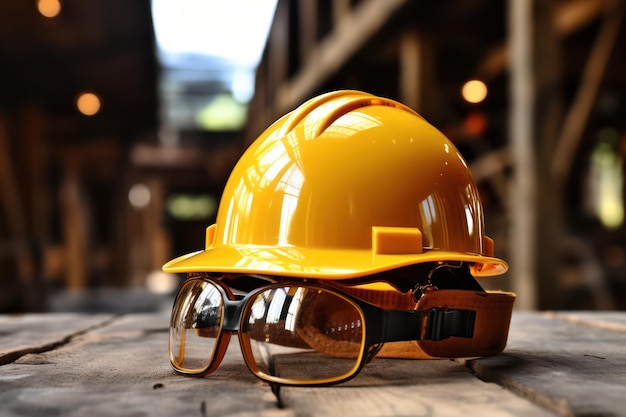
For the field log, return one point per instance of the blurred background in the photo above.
(120, 121)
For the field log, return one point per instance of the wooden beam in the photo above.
(569, 17)
(490, 167)
(150, 156)
(578, 115)
(341, 9)
(335, 50)
(490, 164)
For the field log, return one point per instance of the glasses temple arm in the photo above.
(433, 324)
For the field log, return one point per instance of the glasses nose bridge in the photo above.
(233, 309)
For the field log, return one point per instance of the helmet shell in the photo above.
(346, 185)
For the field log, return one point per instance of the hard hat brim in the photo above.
(305, 262)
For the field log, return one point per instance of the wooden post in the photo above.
(13, 208)
(74, 225)
(307, 23)
(278, 44)
(537, 211)
(410, 74)
(417, 74)
(523, 191)
(548, 110)
(36, 155)
(157, 238)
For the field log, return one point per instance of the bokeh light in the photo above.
(49, 8)
(88, 104)
(158, 282)
(139, 196)
(474, 91)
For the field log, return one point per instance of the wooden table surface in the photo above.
(117, 365)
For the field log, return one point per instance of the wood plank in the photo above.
(20, 335)
(395, 387)
(573, 368)
(557, 363)
(608, 320)
(123, 369)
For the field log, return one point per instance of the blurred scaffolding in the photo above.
(92, 198)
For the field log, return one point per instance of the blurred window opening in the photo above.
(606, 180)
(191, 206)
(159, 282)
(208, 49)
(224, 112)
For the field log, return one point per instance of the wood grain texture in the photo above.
(396, 387)
(34, 333)
(568, 364)
(122, 369)
(571, 363)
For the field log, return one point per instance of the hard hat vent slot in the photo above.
(347, 107)
(305, 109)
(345, 102)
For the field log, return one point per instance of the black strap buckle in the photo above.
(444, 323)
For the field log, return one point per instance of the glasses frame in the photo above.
(379, 326)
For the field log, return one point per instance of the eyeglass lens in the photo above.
(299, 334)
(196, 324)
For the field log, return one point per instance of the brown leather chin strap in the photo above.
(491, 328)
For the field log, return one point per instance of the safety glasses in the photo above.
(295, 333)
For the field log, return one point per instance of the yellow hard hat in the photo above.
(346, 185)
